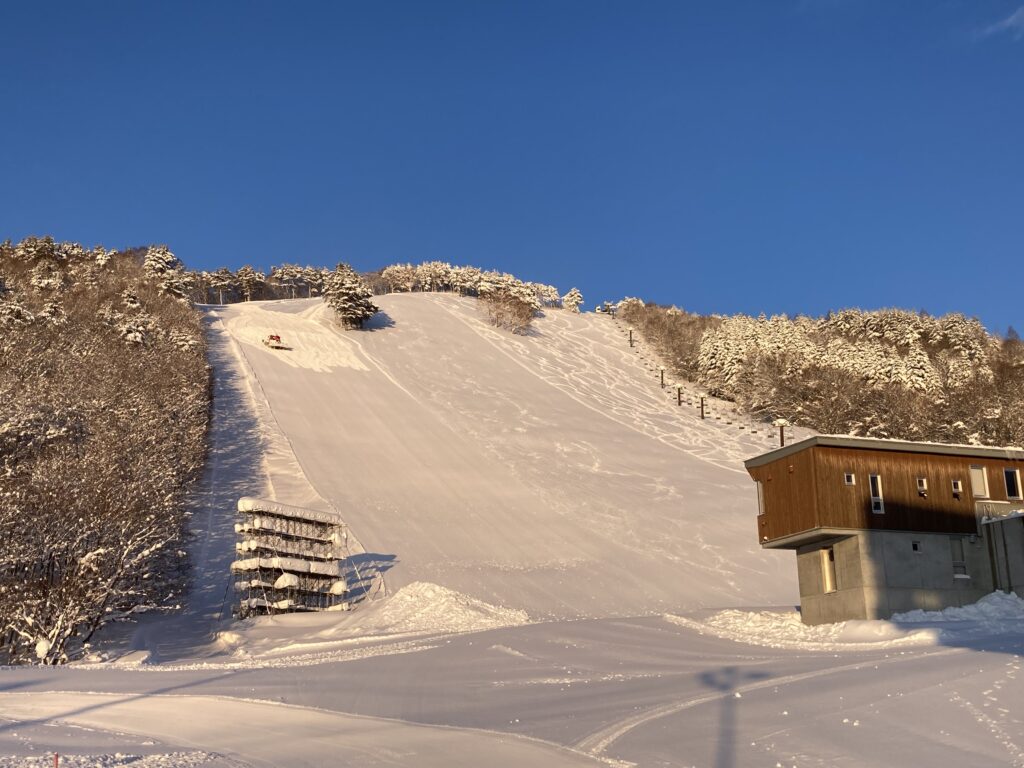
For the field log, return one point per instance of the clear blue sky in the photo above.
(776, 156)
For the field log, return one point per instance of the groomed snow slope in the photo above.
(547, 473)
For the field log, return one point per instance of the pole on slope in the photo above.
(679, 395)
(631, 336)
(661, 369)
(702, 406)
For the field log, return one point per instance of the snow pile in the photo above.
(170, 760)
(784, 629)
(425, 607)
(996, 613)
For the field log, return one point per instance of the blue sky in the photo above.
(761, 156)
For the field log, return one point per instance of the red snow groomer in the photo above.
(274, 342)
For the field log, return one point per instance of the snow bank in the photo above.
(784, 629)
(998, 612)
(425, 607)
(995, 614)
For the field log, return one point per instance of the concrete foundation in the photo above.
(878, 573)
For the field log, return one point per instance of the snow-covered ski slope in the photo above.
(548, 473)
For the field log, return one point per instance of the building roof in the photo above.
(878, 444)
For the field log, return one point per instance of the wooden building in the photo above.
(885, 526)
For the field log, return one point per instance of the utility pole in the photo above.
(679, 395)
(661, 368)
(702, 406)
(631, 336)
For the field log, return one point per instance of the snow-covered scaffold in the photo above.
(290, 559)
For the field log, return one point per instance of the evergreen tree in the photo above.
(249, 280)
(572, 300)
(288, 276)
(349, 297)
(223, 281)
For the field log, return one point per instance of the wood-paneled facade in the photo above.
(805, 492)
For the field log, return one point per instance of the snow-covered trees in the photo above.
(288, 276)
(510, 303)
(250, 281)
(349, 297)
(168, 272)
(886, 373)
(572, 300)
(223, 283)
(399, 277)
(104, 386)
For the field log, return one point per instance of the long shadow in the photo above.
(727, 680)
(366, 572)
(122, 698)
(233, 469)
(379, 322)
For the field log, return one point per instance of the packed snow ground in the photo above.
(570, 562)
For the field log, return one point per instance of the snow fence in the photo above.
(289, 559)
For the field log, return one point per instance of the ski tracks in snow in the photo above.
(585, 363)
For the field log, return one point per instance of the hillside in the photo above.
(548, 472)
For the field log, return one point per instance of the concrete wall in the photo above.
(847, 602)
(900, 579)
(1007, 537)
(879, 573)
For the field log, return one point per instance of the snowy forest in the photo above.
(888, 373)
(105, 389)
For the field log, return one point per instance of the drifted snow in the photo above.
(784, 629)
(286, 580)
(998, 612)
(995, 614)
(424, 607)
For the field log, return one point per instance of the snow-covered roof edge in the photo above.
(884, 444)
(252, 505)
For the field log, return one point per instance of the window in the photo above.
(828, 570)
(979, 482)
(877, 505)
(849, 478)
(1012, 477)
(916, 546)
(958, 487)
(760, 497)
(922, 486)
(956, 546)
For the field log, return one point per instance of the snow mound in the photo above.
(425, 607)
(784, 629)
(998, 612)
(169, 760)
